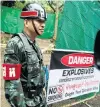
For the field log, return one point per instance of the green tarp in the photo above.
(78, 26)
(11, 22)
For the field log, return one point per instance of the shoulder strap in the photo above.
(27, 47)
(25, 41)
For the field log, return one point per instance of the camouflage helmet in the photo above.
(33, 11)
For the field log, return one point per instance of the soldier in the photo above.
(23, 73)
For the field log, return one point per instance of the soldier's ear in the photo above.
(26, 22)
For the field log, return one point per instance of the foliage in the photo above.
(44, 3)
(19, 5)
(5, 38)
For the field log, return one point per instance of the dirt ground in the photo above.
(95, 102)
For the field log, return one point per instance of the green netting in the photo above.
(11, 22)
(78, 26)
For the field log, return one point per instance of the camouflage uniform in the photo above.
(27, 91)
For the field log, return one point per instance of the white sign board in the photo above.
(72, 73)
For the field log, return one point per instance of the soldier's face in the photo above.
(39, 24)
(33, 25)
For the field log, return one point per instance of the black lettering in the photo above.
(64, 73)
(68, 73)
(78, 72)
(52, 90)
(82, 71)
(92, 70)
(73, 71)
(54, 97)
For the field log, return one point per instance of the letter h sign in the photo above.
(11, 71)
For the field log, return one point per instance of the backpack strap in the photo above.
(25, 41)
(27, 47)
